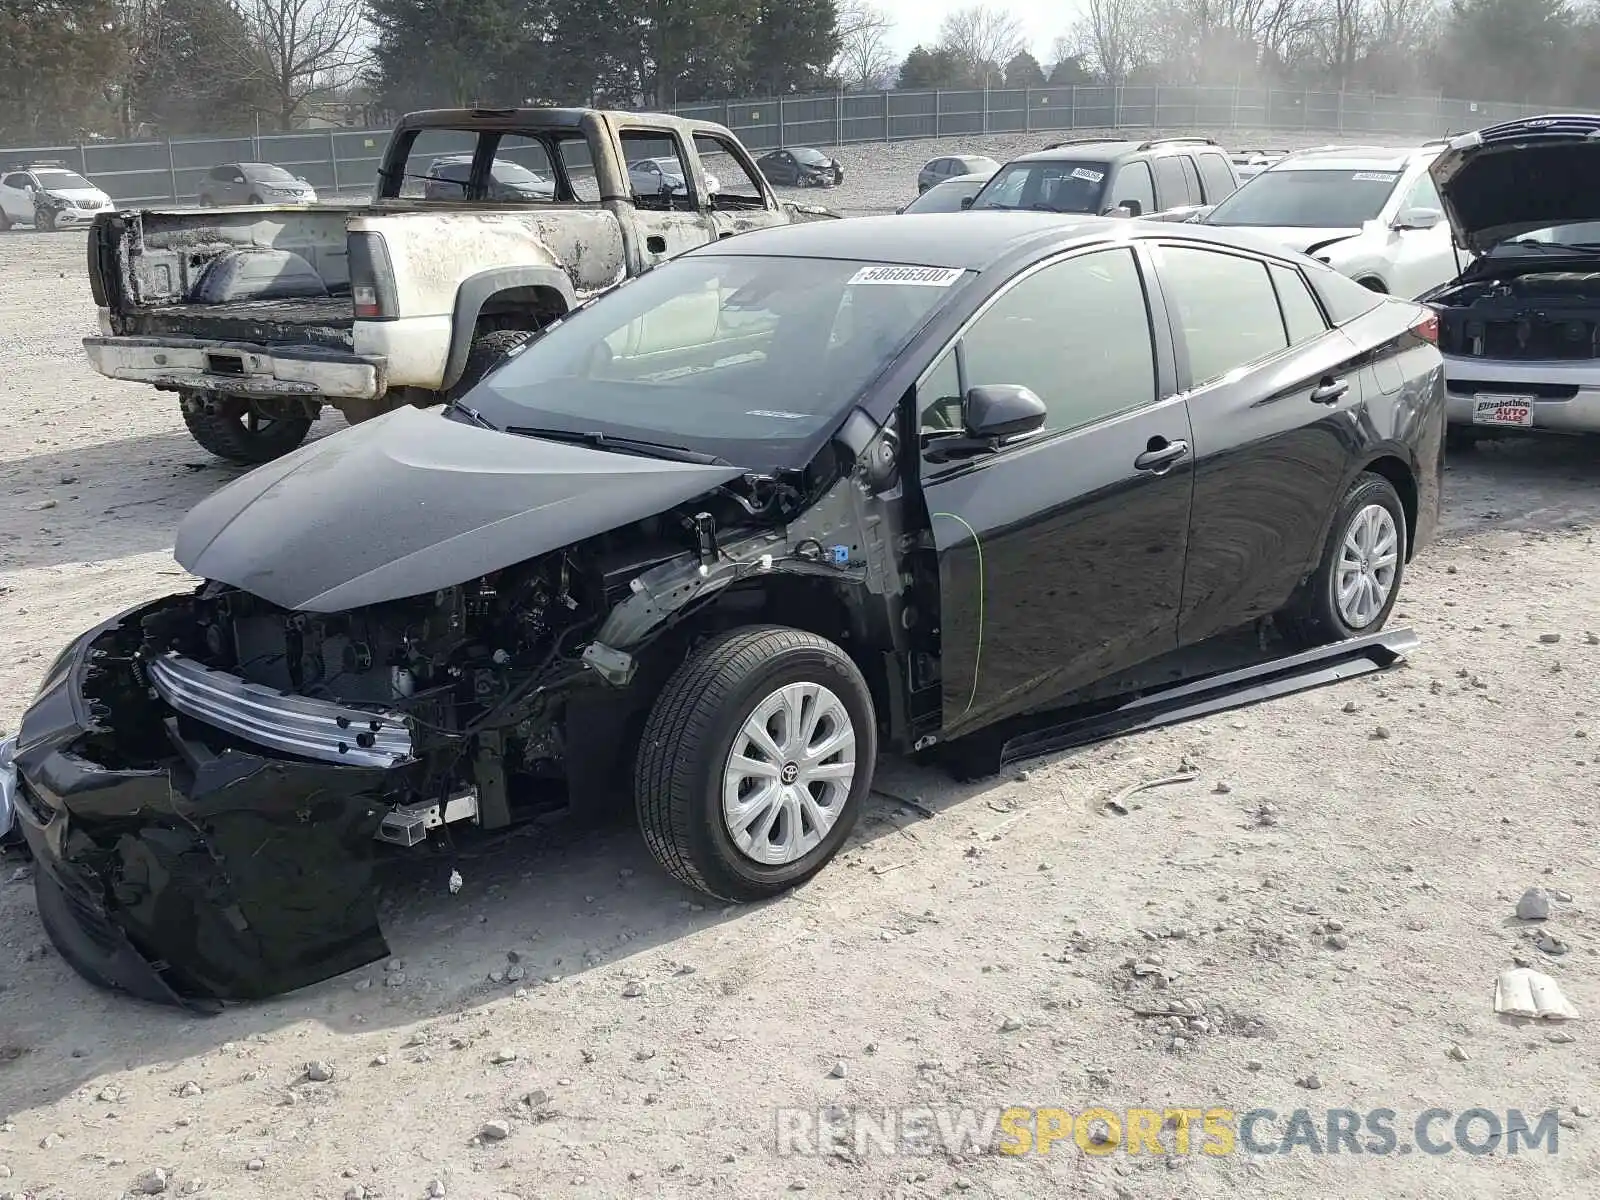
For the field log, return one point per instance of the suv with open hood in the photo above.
(1520, 327)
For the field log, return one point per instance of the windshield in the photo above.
(270, 174)
(812, 158)
(1055, 186)
(1301, 199)
(741, 356)
(61, 180)
(944, 197)
(1578, 233)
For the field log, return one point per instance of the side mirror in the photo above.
(998, 411)
(1418, 218)
(990, 414)
(1128, 208)
(966, 202)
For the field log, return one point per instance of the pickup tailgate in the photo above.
(239, 301)
(149, 268)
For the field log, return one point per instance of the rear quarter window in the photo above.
(1343, 299)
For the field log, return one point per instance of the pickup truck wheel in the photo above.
(233, 428)
(1362, 567)
(755, 762)
(486, 352)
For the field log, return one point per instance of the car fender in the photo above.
(1355, 257)
(476, 291)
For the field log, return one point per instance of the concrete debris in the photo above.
(152, 1183)
(190, 1090)
(495, 1131)
(319, 1071)
(1521, 992)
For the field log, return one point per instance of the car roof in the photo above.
(970, 241)
(1353, 158)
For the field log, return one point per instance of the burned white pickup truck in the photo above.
(484, 227)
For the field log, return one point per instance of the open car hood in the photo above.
(411, 502)
(1510, 179)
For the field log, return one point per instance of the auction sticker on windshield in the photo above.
(1373, 177)
(1086, 174)
(914, 276)
(1503, 410)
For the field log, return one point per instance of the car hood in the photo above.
(410, 502)
(1302, 241)
(1509, 179)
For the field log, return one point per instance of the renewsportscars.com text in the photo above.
(1179, 1130)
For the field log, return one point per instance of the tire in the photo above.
(1321, 618)
(230, 429)
(5, 221)
(486, 352)
(44, 220)
(690, 737)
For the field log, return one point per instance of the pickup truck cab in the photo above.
(257, 317)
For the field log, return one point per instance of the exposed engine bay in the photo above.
(1531, 314)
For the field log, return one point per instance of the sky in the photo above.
(918, 20)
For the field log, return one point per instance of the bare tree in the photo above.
(1114, 36)
(304, 51)
(866, 58)
(982, 40)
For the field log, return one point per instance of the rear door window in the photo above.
(1171, 188)
(1215, 177)
(1227, 308)
(1191, 179)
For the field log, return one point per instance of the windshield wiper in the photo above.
(472, 414)
(621, 445)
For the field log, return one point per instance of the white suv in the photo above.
(1368, 212)
(48, 196)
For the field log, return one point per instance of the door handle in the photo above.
(1158, 459)
(1330, 391)
(656, 244)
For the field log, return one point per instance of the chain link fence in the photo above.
(344, 161)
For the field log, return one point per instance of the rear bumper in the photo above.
(239, 369)
(1566, 395)
(180, 873)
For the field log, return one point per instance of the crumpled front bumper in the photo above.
(191, 875)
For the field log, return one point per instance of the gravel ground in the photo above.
(1334, 892)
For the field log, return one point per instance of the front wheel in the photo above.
(755, 762)
(248, 432)
(44, 220)
(1363, 564)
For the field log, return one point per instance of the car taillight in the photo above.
(1427, 327)
(372, 287)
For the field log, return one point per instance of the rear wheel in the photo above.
(249, 432)
(755, 762)
(1363, 564)
(488, 349)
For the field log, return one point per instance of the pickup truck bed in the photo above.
(318, 321)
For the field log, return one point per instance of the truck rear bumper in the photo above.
(239, 369)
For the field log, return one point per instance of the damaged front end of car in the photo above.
(206, 781)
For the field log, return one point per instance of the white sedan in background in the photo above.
(1368, 212)
(663, 177)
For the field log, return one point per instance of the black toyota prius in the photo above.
(718, 539)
